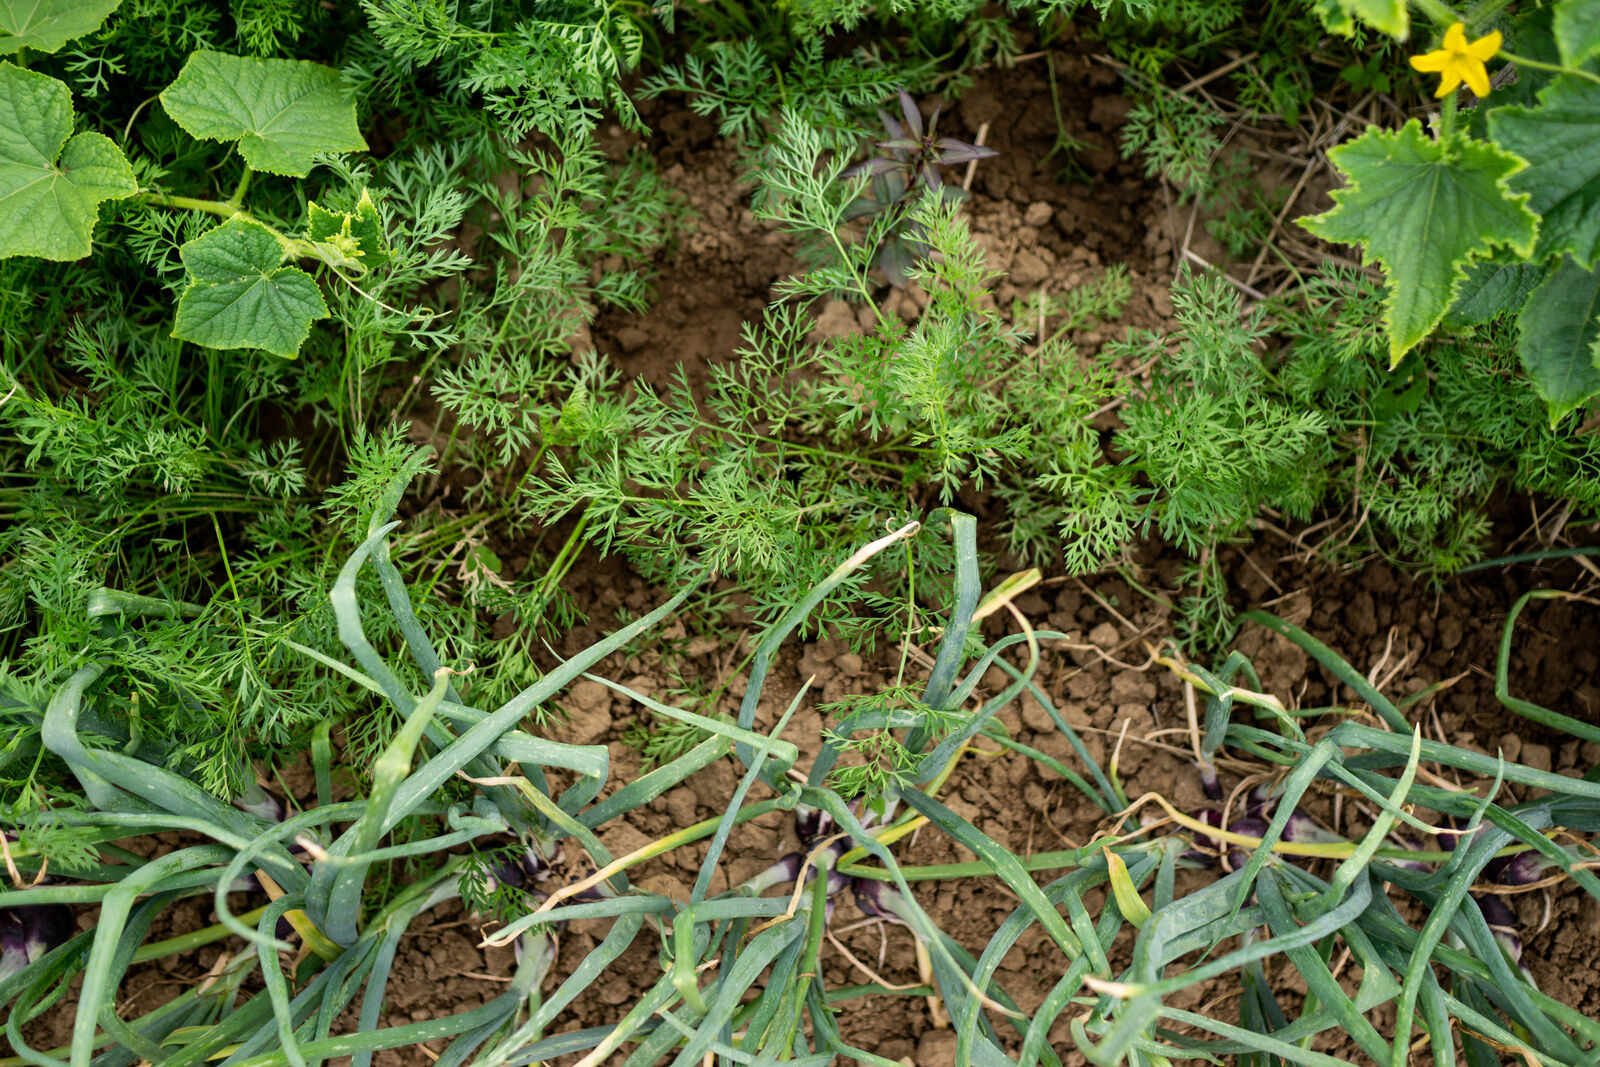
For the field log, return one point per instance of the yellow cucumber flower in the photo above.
(1460, 60)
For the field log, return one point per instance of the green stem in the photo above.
(207, 935)
(236, 201)
(816, 926)
(1554, 68)
(1447, 117)
(1439, 12)
(189, 203)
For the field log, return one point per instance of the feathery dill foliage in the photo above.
(743, 87)
(1420, 450)
(800, 445)
(507, 70)
(1413, 457)
(545, 281)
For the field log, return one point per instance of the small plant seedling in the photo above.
(910, 169)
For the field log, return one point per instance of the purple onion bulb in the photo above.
(1259, 801)
(1522, 869)
(1303, 829)
(786, 870)
(811, 824)
(28, 931)
(1202, 851)
(1249, 826)
(881, 900)
(1502, 924)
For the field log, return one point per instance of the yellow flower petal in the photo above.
(1485, 47)
(1476, 77)
(1459, 60)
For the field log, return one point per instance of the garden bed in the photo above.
(1409, 636)
(1358, 566)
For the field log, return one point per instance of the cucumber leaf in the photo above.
(51, 181)
(1340, 16)
(1492, 290)
(1578, 31)
(46, 25)
(1558, 338)
(1424, 210)
(241, 295)
(281, 111)
(1561, 142)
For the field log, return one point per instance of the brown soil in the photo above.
(718, 276)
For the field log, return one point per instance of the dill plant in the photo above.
(798, 445)
(1423, 451)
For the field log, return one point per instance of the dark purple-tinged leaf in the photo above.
(908, 108)
(954, 151)
(871, 168)
(902, 144)
(861, 207)
(896, 260)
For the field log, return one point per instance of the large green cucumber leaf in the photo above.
(51, 182)
(1558, 337)
(1561, 142)
(46, 25)
(281, 111)
(1424, 210)
(1339, 16)
(241, 295)
(1578, 31)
